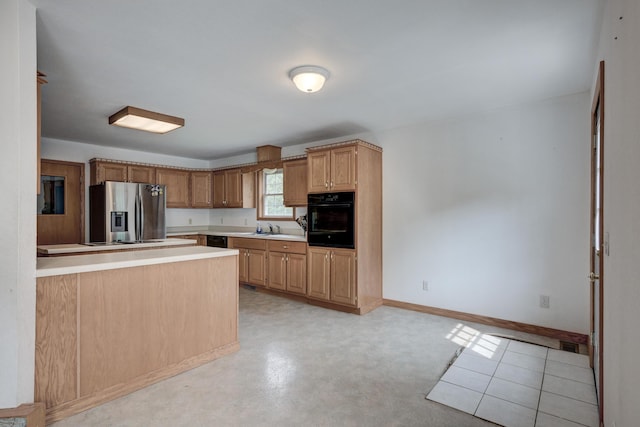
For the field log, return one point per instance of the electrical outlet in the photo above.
(246, 221)
(544, 301)
(425, 285)
(221, 220)
(190, 221)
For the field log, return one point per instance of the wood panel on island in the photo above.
(104, 333)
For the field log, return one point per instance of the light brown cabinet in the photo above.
(252, 260)
(102, 171)
(142, 174)
(350, 279)
(177, 182)
(332, 275)
(287, 267)
(295, 182)
(233, 189)
(332, 169)
(201, 189)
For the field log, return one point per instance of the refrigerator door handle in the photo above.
(141, 216)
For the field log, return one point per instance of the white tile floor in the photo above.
(517, 384)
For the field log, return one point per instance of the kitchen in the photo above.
(466, 214)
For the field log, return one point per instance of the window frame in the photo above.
(260, 199)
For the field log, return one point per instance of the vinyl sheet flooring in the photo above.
(300, 365)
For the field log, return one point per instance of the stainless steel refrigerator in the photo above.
(126, 212)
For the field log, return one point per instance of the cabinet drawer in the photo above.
(290, 247)
(239, 242)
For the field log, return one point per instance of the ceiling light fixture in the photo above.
(137, 118)
(309, 78)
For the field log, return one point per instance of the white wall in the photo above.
(619, 49)
(492, 210)
(18, 212)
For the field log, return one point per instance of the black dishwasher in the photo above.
(217, 241)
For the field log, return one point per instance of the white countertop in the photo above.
(79, 248)
(55, 266)
(247, 234)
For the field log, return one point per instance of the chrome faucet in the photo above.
(271, 229)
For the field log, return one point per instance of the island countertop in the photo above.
(54, 266)
(77, 248)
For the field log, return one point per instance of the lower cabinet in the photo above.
(252, 263)
(332, 275)
(287, 266)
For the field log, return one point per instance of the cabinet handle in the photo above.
(326, 184)
(331, 184)
(285, 247)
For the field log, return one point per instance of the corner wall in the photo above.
(18, 214)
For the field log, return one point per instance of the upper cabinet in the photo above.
(233, 189)
(177, 182)
(102, 171)
(295, 182)
(332, 169)
(142, 174)
(201, 189)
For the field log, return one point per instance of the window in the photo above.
(271, 184)
(51, 197)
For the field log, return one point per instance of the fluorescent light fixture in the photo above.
(309, 78)
(137, 118)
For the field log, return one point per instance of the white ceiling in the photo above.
(223, 65)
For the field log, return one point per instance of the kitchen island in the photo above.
(109, 324)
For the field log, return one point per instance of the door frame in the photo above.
(82, 191)
(597, 116)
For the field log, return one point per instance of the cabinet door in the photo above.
(218, 200)
(233, 188)
(296, 273)
(111, 172)
(201, 190)
(343, 169)
(142, 174)
(257, 267)
(177, 182)
(318, 171)
(243, 266)
(295, 182)
(343, 276)
(318, 273)
(277, 270)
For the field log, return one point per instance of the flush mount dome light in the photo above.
(150, 121)
(309, 78)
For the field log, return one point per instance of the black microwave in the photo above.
(330, 220)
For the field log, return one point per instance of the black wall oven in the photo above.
(330, 220)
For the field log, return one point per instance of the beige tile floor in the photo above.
(517, 384)
(301, 365)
